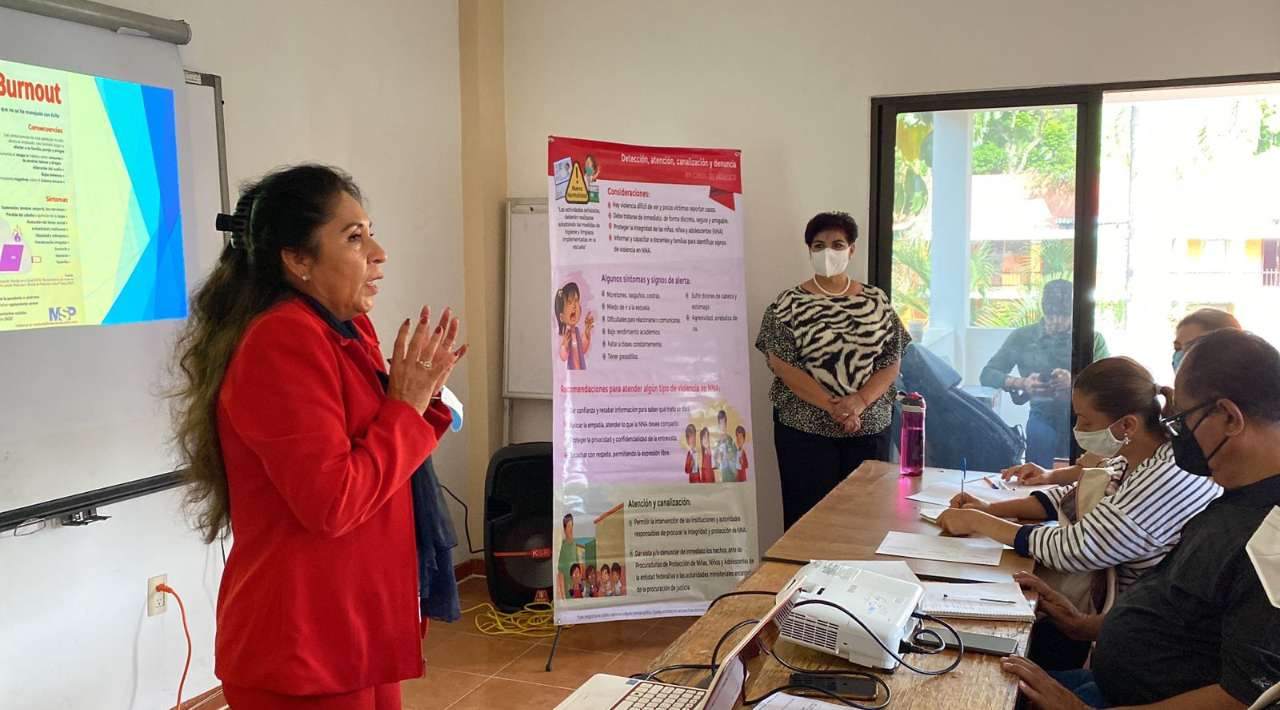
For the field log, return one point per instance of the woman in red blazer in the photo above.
(303, 442)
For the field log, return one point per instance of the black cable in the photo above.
(812, 688)
(939, 646)
(715, 652)
(874, 637)
(677, 667)
(466, 519)
(888, 692)
(726, 595)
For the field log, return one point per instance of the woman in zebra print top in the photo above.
(834, 347)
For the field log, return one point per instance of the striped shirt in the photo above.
(1131, 529)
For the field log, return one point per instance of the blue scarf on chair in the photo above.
(433, 530)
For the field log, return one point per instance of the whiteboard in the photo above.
(120, 429)
(527, 361)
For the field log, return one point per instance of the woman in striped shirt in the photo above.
(1148, 500)
(1131, 529)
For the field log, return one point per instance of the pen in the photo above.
(964, 472)
(990, 483)
(978, 599)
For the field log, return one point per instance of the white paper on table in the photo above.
(783, 701)
(930, 513)
(932, 473)
(974, 551)
(889, 568)
(942, 493)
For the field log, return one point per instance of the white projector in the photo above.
(884, 604)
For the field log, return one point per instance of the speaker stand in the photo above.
(554, 642)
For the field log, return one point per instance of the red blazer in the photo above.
(320, 591)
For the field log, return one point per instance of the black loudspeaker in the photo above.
(517, 525)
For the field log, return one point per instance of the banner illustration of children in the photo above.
(593, 565)
(715, 446)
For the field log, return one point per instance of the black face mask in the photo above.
(1187, 453)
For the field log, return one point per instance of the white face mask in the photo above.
(830, 262)
(1264, 552)
(1101, 442)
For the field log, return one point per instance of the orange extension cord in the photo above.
(185, 630)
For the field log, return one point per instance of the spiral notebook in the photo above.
(997, 602)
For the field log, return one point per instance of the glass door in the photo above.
(982, 255)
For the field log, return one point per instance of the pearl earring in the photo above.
(306, 277)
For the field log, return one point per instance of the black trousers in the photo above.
(810, 465)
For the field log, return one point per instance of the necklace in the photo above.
(848, 282)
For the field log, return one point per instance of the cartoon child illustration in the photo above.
(591, 172)
(726, 453)
(692, 465)
(606, 581)
(568, 557)
(619, 581)
(575, 574)
(592, 588)
(707, 472)
(741, 434)
(573, 343)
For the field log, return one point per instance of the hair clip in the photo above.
(235, 225)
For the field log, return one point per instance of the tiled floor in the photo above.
(466, 669)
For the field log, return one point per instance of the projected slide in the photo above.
(90, 224)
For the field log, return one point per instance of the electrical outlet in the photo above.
(157, 601)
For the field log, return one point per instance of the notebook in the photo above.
(997, 602)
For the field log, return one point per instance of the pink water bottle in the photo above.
(911, 443)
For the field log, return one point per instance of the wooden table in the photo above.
(849, 524)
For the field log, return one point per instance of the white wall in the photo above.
(369, 86)
(790, 83)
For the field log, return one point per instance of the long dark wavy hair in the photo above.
(281, 211)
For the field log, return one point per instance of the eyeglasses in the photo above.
(1177, 424)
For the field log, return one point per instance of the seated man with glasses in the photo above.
(1198, 631)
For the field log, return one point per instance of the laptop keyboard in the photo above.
(655, 696)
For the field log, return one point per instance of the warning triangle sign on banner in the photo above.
(577, 191)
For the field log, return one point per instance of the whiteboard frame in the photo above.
(535, 205)
(89, 500)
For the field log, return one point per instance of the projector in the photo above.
(884, 604)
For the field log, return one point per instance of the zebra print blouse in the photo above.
(840, 342)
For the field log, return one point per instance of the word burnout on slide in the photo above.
(90, 220)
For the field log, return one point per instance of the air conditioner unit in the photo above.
(883, 604)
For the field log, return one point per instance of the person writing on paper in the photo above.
(1198, 631)
(1041, 352)
(834, 346)
(1142, 508)
(300, 439)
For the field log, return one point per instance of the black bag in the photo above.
(957, 424)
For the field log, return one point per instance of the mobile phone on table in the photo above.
(981, 643)
(844, 686)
